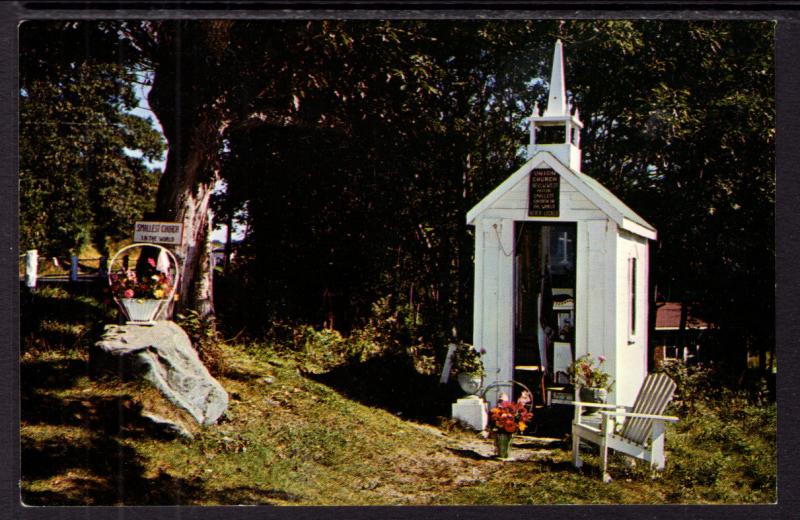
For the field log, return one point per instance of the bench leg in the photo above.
(657, 458)
(604, 462)
(576, 451)
(607, 429)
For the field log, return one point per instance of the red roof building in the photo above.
(666, 338)
(668, 317)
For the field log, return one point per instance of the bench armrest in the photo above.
(597, 405)
(668, 418)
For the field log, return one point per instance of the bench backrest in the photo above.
(654, 396)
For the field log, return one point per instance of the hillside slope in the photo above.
(289, 439)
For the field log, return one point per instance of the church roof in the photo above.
(564, 158)
(614, 201)
(607, 202)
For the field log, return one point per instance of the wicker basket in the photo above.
(141, 310)
(144, 311)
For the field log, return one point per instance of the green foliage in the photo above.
(202, 331)
(320, 350)
(682, 127)
(355, 186)
(81, 180)
(467, 360)
(724, 447)
(353, 149)
(582, 372)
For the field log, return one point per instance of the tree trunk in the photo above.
(184, 98)
(228, 245)
(682, 329)
(652, 309)
(183, 197)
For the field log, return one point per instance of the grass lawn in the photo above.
(290, 439)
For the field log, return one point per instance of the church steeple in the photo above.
(557, 98)
(558, 114)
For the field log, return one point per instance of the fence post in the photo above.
(73, 269)
(31, 267)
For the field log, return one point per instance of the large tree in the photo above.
(83, 156)
(400, 126)
(217, 75)
(681, 127)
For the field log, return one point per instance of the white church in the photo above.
(561, 265)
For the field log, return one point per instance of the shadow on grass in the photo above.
(62, 303)
(53, 375)
(111, 415)
(55, 320)
(392, 383)
(97, 471)
(242, 376)
(469, 454)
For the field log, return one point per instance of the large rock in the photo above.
(163, 355)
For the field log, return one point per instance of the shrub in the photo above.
(723, 448)
(202, 331)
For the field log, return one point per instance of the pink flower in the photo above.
(601, 358)
(128, 293)
(151, 262)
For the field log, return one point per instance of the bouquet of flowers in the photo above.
(583, 373)
(509, 416)
(152, 284)
(467, 360)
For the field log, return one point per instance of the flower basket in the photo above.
(142, 293)
(140, 309)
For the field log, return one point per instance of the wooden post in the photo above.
(103, 271)
(31, 267)
(73, 268)
(448, 363)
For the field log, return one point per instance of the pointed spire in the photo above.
(557, 99)
(557, 113)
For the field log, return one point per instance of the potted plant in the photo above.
(468, 367)
(508, 418)
(141, 295)
(592, 382)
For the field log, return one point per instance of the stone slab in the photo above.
(163, 354)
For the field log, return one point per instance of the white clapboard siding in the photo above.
(573, 205)
(607, 232)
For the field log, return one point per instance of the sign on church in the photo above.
(543, 193)
(158, 232)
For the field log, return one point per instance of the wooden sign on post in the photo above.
(158, 232)
(543, 193)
